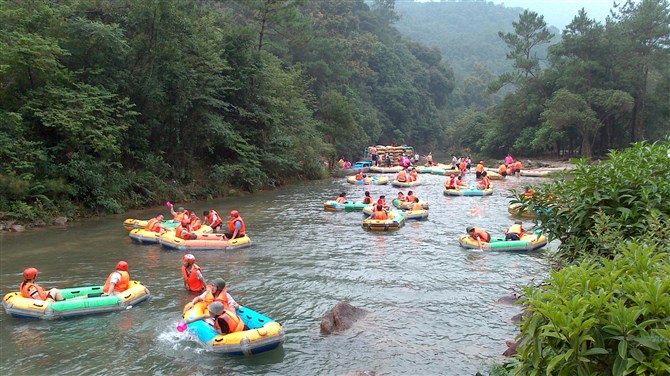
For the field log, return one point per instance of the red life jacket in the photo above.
(191, 279)
(151, 225)
(213, 218)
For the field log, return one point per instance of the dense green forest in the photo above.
(107, 105)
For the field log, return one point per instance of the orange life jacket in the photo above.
(339, 200)
(486, 182)
(213, 218)
(515, 229)
(182, 232)
(367, 200)
(462, 166)
(414, 175)
(409, 198)
(180, 216)
(460, 183)
(359, 176)
(502, 169)
(417, 206)
(479, 168)
(401, 197)
(222, 297)
(481, 234)
(233, 322)
(120, 286)
(518, 165)
(381, 202)
(231, 226)
(26, 287)
(402, 176)
(191, 279)
(195, 223)
(152, 225)
(380, 215)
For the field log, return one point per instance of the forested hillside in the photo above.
(465, 32)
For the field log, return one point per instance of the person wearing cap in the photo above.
(479, 235)
(213, 219)
(31, 290)
(215, 292)
(179, 215)
(224, 321)
(514, 232)
(236, 228)
(118, 280)
(192, 273)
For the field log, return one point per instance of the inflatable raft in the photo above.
(374, 180)
(468, 192)
(79, 301)
(203, 242)
(519, 210)
(133, 223)
(394, 222)
(261, 333)
(142, 236)
(405, 205)
(417, 215)
(347, 206)
(528, 242)
(406, 184)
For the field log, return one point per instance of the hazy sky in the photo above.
(559, 13)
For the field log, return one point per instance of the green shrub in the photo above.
(631, 188)
(601, 317)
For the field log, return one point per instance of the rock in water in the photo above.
(341, 317)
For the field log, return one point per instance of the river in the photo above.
(432, 304)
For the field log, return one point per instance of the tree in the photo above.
(530, 32)
(641, 32)
(565, 110)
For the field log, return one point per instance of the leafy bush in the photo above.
(601, 317)
(631, 189)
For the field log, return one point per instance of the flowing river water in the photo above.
(432, 304)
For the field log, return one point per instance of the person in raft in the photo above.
(213, 219)
(118, 280)
(236, 228)
(515, 232)
(367, 199)
(479, 235)
(416, 205)
(215, 292)
(224, 321)
(155, 224)
(31, 290)
(184, 231)
(485, 183)
(342, 198)
(192, 273)
(380, 214)
(179, 215)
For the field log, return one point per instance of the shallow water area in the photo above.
(432, 304)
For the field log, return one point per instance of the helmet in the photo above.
(122, 265)
(481, 162)
(189, 258)
(220, 283)
(29, 273)
(216, 308)
(469, 228)
(234, 213)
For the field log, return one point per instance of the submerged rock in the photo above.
(60, 221)
(341, 318)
